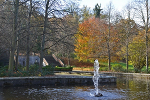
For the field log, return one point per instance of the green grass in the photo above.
(130, 67)
(104, 67)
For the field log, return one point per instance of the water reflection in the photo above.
(135, 88)
(125, 89)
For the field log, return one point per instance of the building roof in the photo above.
(52, 60)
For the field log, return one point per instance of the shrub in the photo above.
(21, 68)
(145, 71)
(33, 71)
(136, 70)
(4, 68)
(33, 68)
(103, 65)
(24, 73)
(48, 68)
(117, 68)
(69, 68)
(77, 63)
(103, 69)
(137, 53)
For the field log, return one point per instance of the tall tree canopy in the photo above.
(91, 40)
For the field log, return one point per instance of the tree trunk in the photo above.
(68, 56)
(127, 56)
(108, 48)
(127, 37)
(109, 59)
(13, 45)
(43, 37)
(146, 33)
(16, 65)
(108, 42)
(28, 38)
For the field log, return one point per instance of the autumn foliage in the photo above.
(92, 39)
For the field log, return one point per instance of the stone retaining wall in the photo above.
(53, 80)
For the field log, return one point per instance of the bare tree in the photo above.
(58, 29)
(128, 29)
(146, 33)
(31, 32)
(142, 12)
(43, 35)
(6, 20)
(14, 36)
(85, 13)
(28, 36)
(110, 8)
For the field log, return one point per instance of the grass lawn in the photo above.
(130, 67)
(104, 67)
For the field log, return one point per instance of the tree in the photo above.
(85, 39)
(28, 36)
(43, 36)
(56, 31)
(129, 24)
(142, 11)
(36, 30)
(146, 33)
(85, 13)
(108, 35)
(25, 27)
(69, 24)
(91, 40)
(6, 20)
(13, 45)
(137, 52)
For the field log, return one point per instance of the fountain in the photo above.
(96, 77)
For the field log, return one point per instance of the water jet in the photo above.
(96, 78)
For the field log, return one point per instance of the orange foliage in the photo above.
(92, 39)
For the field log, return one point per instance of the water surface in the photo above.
(125, 89)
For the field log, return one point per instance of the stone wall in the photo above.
(53, 80)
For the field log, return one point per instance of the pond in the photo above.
(126, 88)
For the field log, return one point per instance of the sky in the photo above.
(118, 4)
